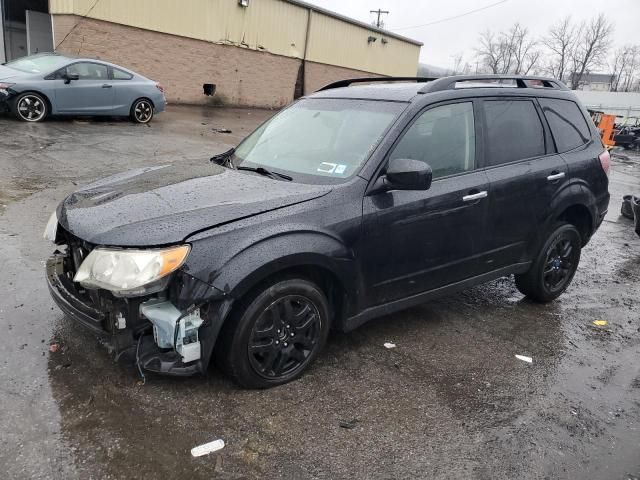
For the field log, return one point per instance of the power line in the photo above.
(454, 17)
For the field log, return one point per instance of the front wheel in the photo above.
(275, 334)
(142, 111)
(554, 267)
(31, 107)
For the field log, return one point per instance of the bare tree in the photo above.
(624, 67)
(591, 48)
(561, 43)
(513, 51)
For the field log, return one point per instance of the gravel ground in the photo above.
(450, 401)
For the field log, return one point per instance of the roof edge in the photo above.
(353, 21)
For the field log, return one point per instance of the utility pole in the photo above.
(378, 13)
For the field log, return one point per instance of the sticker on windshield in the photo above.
(340, 169)
(326, 167)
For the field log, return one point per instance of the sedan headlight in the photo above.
(124, 271)
(51, 230)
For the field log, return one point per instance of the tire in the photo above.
(554, 267)
(141, 111)
(31, 107)
(275, 334)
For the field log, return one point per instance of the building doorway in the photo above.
(25, 28)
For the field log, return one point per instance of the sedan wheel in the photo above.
(142, 111)
(31, 107)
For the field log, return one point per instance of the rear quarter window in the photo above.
(568, 126)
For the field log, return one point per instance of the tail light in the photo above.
(160, 87)
(605, 161)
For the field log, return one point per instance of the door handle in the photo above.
(556, 176)
(475, 196)
(106, 85)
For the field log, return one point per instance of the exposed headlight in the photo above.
(122, 271)
(5, 86)
(51, 230)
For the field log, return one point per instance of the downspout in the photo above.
(3, 52)
(304, 55)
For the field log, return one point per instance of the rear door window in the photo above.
(568, 126)
(444, 137)
(514, 131)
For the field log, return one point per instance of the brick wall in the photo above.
(320, 74)
(243, 77)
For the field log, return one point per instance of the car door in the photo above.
(91, 94)
(524, 172)
(420, 240)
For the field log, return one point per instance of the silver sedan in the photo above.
(37, 86)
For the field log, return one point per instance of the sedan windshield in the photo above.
(329, 138)
(38, 63)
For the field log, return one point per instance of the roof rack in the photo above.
(350, 81)
(521, 81)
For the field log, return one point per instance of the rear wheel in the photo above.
(275, 334)
(142, 111)
(555, 266)
(31, 107)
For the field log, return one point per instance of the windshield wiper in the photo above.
(223, 158)
(264, 171)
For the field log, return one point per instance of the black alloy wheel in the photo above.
(554, 267)
(284, 336)
(560, 262)
(274, 333)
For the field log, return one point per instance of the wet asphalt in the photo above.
(450, 401)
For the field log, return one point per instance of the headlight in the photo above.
(5, 86)
(51, 230)
(123, 271)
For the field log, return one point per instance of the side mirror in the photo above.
(70, 76)
(407, 174)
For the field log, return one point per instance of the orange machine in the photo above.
(606, 125)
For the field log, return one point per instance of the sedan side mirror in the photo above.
(71, 76)
(407, 174)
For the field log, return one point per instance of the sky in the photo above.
(444, 41)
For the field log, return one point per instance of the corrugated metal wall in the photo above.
(275, 26)
(335, 42)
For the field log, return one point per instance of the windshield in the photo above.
(38, 63)
(328, 138)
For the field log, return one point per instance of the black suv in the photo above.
(353, 202)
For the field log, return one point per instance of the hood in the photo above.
(7, 74)
(166, 204)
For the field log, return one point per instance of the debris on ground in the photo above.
(207, 448)
(626, 210)
(389, 345)
(524, 359)
(221, 130)
(54, 347)
(600, 323)
(349, 424)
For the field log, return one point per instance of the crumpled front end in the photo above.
(171, 331)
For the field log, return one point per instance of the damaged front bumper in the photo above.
(172, 332)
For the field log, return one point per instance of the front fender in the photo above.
(253, 260)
